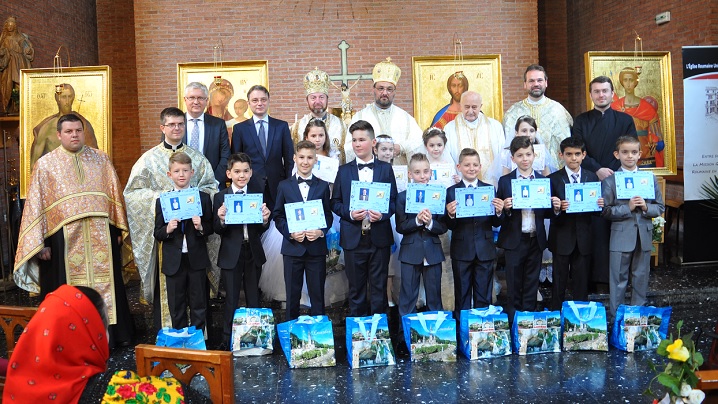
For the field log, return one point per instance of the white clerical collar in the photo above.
(569, 172)
(235, 189)
(360, 161)
(474, 183)
(532, 102)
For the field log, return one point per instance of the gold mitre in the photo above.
(316, 81)
(386, 71)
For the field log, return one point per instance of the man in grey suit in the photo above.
(631, 229)
(205, 132)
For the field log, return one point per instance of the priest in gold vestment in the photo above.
(148, 179)
(72, 226)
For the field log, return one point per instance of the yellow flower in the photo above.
(677, 351)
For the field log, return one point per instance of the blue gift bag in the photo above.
(536, 332)
(430, 336)
(584, 326)
(307, 342)
(188, 337)
(484, 333)
(639, 328)
(368, 342)
(252, 332)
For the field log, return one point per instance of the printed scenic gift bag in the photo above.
(536, 332)
(188, 337)
(252, 332)
(484, 333)
(639, 328)
(430, 336)
(307, 342)
(368, 342)
(584, 326)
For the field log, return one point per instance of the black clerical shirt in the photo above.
(600, 130)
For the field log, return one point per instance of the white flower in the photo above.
(696, 396)
(685, 390)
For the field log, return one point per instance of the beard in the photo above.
(383, 102)
(536, 92)
(318, 111)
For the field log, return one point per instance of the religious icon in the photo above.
(16, 53)
(456, 84)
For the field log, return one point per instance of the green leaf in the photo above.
(698, 359)
(671, 382)
(691, 379)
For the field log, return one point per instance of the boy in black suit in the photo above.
(522, 235)
(472, 239)
(365, 235)
(304, 251)
(241, 255)
(420, 253)
(183, 256)
(570, 237)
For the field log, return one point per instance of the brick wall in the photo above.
(295, 36)
(553, 47)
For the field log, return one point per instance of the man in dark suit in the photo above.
(570, 237)
(241, 254)
(304, 252)
(365, 235)
(210, 132)
(268, 143)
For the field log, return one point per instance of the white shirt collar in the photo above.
(305, 179)
(360, 161)
(635, 170)
(235, 189)
(475, 183)
(256, 119)
(200, 118)
(569, 172)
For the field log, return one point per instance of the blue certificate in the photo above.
(639, 183)
(583, 197)
(370, 195)
(476, 201)
(422, 196)
(307, 215)
(182, 204)
(243, 208)
(531, 194)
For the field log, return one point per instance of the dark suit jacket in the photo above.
(216, 146)
(277, 165)
(471, 237)
(350, 229)
(567, 229)
(599, 131)
(288, 192)
(510, 234)
(171, 244)
(418, 241)
(233, 235)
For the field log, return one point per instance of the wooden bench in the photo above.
(216, 366)
(12, 320)
(707, 379)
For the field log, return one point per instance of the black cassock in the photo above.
(600, 131)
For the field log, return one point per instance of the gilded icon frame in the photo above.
(655, 80)
(241, 74)
(431, 73)
(92, 86)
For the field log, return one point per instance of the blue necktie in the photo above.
(194, 139)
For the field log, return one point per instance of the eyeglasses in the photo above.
(193, 99)
(174, 125)
(389, 90)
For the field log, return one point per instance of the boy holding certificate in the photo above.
(472, 239)
(631, 229)
(420, 252)
(183, 256)
(570, 237)
(304, 252)
(365, 234)
(522, 235)
(241, 254)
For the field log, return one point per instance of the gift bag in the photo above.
(639, 328)
(368, 342)
(430, 336)
(584, 326)
(252, 332)
(335, 259)
(188, 337)
(536, 332)
(484, 333)
(307, 342)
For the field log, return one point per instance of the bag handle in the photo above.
(309, 319)
(440, 317)
(592, 306)
(374, 325)
(491, 310)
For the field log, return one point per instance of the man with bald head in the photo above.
(45, 132)
(456, 85)
(472, 129)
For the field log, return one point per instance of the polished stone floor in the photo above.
(565, 377)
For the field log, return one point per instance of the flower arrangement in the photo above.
(658, 223)
(679, 374)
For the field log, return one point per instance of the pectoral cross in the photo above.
(344, 77)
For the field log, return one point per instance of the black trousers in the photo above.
(295, 268)
(472, 280)
(187, 288)
(247, 273)
(578, 266)
(367, 264)
(523, 265)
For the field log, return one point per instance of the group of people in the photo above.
(74, 220)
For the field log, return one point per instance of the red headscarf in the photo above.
(63, 345)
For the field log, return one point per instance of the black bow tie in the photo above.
(368, 165)
(309, 181)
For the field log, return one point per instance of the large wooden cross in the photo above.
(344, 77)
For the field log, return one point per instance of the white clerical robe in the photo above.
(553, 121)
(402, 127)
(485, 135)
(336, 131)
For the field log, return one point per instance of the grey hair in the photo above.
(196, 85)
